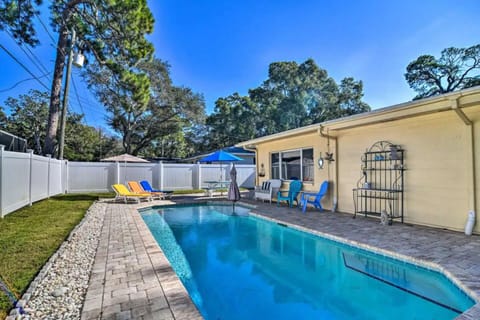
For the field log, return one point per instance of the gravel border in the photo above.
(58, 291)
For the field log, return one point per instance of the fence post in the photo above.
(49, 156)
(30, 151)
(65, 178)
(199, 176)
(2, 148)
(117, 164)
(162, 181)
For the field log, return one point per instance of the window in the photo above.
(307, 165)
(275, 166)
(292, 165)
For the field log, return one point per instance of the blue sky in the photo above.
(221, 47)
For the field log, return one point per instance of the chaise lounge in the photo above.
(122, 193)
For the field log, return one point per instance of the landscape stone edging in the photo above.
(22, 302)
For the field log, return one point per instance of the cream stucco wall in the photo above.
(438, 157)
(437, 182)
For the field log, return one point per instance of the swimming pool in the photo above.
(244, 267)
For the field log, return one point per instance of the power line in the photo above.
(78, 99)
(23, 66)
(87, 105)
(49, 34)
(87, 102)
(24, 80)
(92, 109)
(30, 55)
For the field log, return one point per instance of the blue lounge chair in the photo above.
(293, 190)
(314, 198)
(147, 187)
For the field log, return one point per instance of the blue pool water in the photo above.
(243, 267)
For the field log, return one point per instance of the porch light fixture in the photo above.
(261, 171)
(321, 161)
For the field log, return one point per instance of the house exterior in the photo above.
(440, 138)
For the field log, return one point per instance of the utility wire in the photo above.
(23, 66)
(87, 102)
(78, 100)
(49, 34)
(24, 80)
(30, 55)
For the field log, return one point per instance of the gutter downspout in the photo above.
(254, 149)
(335, 180)
(470, 152)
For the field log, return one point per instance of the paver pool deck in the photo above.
(132, 279)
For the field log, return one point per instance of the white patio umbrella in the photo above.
(125, 158)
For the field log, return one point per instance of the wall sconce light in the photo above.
(261, 171)
(321, 161)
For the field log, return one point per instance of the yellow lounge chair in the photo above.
(137, 188)
(123, 193)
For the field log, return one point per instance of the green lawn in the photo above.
(29, 236)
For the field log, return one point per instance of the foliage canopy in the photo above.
(169, 112)
(28, 119)
(110, 32)
(294, 95)
(456, 69)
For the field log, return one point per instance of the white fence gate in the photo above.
(26, 178)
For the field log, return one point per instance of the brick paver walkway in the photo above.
(132, 279)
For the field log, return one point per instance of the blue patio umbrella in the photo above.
(220, 157)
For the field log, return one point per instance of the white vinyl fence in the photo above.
(99, 176)
(26, 178)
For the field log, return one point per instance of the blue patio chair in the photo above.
(314, 198)
(293, 191)
(147, 187)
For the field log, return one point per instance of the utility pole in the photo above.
(63, 121)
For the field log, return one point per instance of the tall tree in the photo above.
(28, 115)
(17, 16)
(170, 109)
(3, 118)
(294, 95)
(86, 143)
(233, 120)
(456, 69)
(111, 32)
(28, 119)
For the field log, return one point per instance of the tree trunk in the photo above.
(38, 145)
(54, 111)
